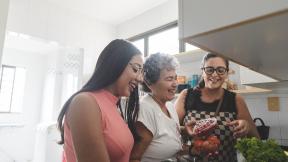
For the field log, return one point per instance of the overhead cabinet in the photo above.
(252, 33)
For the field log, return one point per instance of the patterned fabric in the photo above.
(227, 152)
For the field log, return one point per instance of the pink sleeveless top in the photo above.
(117, 136)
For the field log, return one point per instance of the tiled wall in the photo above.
(277, 120)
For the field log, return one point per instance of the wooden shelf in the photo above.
(249, 89)
(275, 86)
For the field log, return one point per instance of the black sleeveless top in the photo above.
(194, 99)
(197, 109)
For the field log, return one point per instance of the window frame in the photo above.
(3, 66)
(149, 33)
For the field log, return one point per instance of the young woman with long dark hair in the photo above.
(92, 129)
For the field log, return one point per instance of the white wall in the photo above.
(277, 120)
(4, 4)
(42, 19)
(18, 142)
(153, 18)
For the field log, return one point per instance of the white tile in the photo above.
(274, 132)
(284, 142)
(284, 132)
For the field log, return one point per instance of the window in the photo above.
(139, 44)
(12, 81)
(164, 42)
(164, 39)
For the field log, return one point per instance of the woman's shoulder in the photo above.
(230, 94)
(85, 98)
(190, 91)
(148, 106)
(82, 104)
(146, 102)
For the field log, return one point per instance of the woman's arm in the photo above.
(244, 124)
(84, 120)
(140, 146)
(179, 105)
(186, 130)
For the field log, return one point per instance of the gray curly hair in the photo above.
(153, 66)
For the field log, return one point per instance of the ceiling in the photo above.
(113, 12)
(109, 11)
(30, 44)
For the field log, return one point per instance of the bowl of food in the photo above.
(206, 143)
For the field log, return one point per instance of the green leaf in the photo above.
(255, 150)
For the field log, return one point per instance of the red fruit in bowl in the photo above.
(213, 139)
(198, 145)
(209, 147)
(206, 146)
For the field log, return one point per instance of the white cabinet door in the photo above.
(196, 17)
(4, 6)
(252, 33)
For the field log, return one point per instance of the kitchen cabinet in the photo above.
(250, 33)
(198, 17)
(4, 6)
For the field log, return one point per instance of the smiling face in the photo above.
(131, 77)
(214, 72)
(165, 88)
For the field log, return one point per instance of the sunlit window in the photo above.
(164, 39)
(164, 42)
(139, 44)
(12, 82)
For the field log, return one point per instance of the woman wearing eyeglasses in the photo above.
(234, 119)
(92, 129)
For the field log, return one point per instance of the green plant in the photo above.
(256, 150)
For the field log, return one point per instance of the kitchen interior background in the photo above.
(49, 35)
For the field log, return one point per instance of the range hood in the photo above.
(260, 44)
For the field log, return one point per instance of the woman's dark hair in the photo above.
(111, 63)
(201, 83)
(153, 66)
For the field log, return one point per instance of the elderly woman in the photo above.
(158, 124)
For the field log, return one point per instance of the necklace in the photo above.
(161, 105)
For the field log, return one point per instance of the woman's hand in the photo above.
(240, 127)
(189, 126)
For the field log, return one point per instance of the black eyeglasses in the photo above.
(136, 68)
(209, 70)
